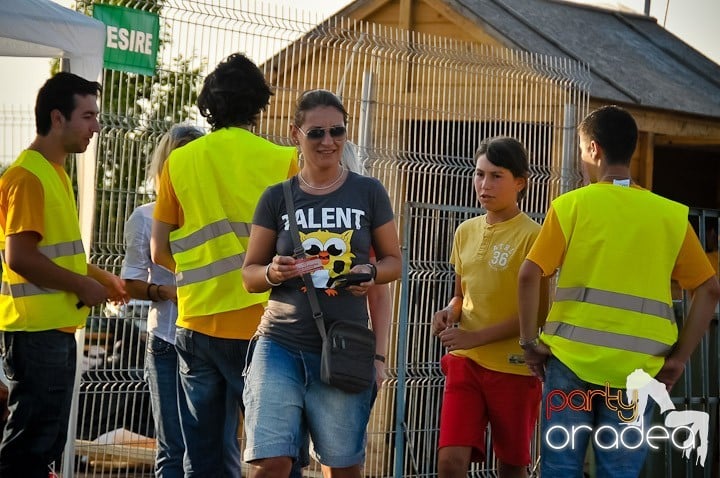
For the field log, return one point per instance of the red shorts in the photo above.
(475, 396)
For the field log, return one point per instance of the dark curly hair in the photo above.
(234, 94)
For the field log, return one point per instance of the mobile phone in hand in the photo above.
(352, 278)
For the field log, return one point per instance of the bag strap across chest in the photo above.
(298, 253)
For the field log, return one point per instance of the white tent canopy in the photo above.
(42, 28)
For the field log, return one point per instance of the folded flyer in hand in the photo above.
(308, 265)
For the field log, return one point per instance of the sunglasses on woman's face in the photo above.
(336, 132)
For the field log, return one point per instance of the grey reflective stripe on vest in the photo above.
(54, 251)
(24, 290)
(607, 339)
(209, 271)
(69, 248)
(211, 231)
(616, 300)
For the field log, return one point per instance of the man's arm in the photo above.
(24, 257)
(544, 301)
(704, 300)
(694, 273)
(114, 285)
(160, 244)
(167, 216)
(140, 289)
(530, 284)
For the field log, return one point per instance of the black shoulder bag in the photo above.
(348, 348)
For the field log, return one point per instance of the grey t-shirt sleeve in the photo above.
(382, 209)
(267, 210)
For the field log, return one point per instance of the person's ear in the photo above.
(596, 152)
(56, 118)
(294, 135)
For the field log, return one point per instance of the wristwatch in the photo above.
(529, 344)
(373, 270)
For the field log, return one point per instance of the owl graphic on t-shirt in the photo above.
(334, 252)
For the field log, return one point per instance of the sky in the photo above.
(694, 21)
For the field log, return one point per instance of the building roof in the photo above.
(632, 59)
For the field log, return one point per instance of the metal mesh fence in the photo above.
(428, 284)
(419, 106)
(698, 387)
(18, 131)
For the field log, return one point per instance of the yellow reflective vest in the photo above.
(612, 311)
(23, 305)
(218, 180)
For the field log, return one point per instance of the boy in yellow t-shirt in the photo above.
(487, 381)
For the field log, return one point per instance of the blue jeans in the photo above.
(40, 367)
(161, 374)
(562, 452)
(212, 384)
(285, 399)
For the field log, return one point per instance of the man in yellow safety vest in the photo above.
(207, 195)
(47, 285)
(617, 246)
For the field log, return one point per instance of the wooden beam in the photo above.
(668, 140)
(362, 10)
(459, 16)
(405, 15)
(670, 123)
(647, 158)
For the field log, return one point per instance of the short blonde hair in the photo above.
(178, 135)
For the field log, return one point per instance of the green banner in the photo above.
(132, 38)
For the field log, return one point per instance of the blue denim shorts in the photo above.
(284, 398)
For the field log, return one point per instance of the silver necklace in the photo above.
(320, 188)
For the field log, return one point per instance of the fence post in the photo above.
(402, 349)
(568, 149)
